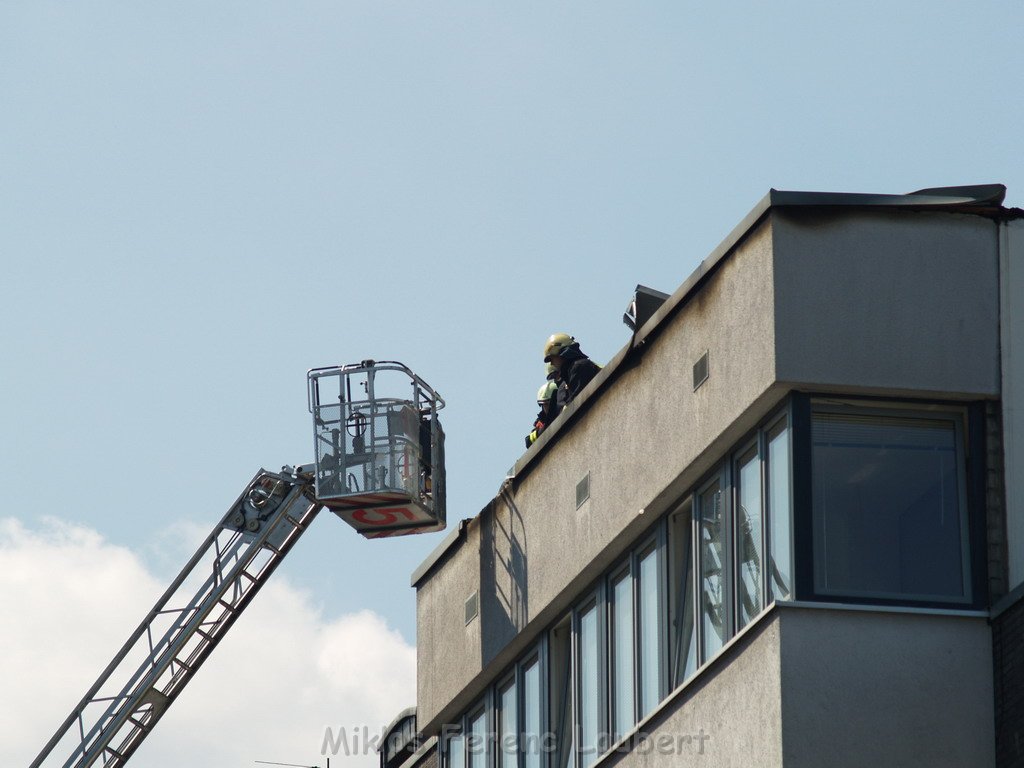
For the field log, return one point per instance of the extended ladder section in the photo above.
(183, 628)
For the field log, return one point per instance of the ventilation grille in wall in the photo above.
(582, 490)
(472, 606)
(701, 369)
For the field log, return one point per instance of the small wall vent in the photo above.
(582, 490)
(701, 371)
(472, 606)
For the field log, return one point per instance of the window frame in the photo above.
(682, 588)
(536, 655)
(595, 600)
(751, 446)
(721, 477)
(511, 678)
(625, 571)
(484, 710)
(780, 421)
(968, 423)
(656, 544)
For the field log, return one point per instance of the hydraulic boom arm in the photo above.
(187, 622)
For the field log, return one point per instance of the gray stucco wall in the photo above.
(642, 442)
(864, 688)
(884, 301)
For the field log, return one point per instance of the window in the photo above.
(777, 479)
(622, 678)
(532, 745)
(562, 718)
(748, 527)
(684, 646)
(649, 593)
(714, 597)
(588, 663)
(507, 716)
(889, 509)
(476, 743)
(456, 752)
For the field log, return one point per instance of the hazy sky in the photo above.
(200, 201)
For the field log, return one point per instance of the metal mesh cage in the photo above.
(379, 446)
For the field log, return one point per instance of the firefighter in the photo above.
(574, 368)
(546, 399)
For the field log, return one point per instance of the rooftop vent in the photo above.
(642, 306)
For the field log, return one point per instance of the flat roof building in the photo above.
(782, 527)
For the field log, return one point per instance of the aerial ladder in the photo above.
(379, 466)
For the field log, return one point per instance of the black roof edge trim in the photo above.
(934, 197)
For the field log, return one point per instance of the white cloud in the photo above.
(284, 673)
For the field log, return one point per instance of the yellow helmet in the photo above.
(546, 392)
(556, 343)
(549, 371)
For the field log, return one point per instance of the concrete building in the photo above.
(782, 527)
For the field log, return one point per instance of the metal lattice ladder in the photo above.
(187, 622)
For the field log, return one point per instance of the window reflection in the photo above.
(531, 715)
(457, 752)
(589, 686)
(650, 631)
(477, 741)
(780, 565)
(714, 595)
(748, 537)
(622, 654)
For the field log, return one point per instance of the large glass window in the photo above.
(748, 536)
(623, 706)
(889, 511)
(713, 570)
(777, 478)
(650, 623)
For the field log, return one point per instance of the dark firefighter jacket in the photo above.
(577, 371)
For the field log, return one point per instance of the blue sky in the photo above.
(201, 201)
